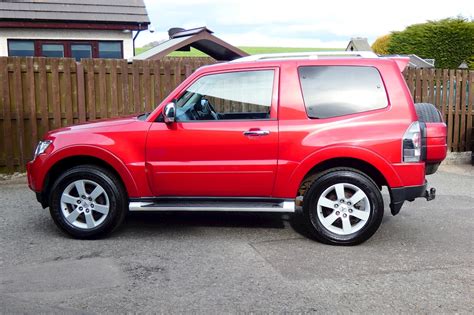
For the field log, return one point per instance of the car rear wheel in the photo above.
(343, 207)
(88, 202)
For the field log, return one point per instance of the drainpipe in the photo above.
(135, 37)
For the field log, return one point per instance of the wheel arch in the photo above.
(98, 157)
(361, 159)
(356, 164)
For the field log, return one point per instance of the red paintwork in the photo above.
(436, 142)
(214, 158)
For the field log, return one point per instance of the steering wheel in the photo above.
(205, 110)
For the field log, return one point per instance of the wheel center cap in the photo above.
(343, 208)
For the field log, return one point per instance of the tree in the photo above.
(380, 46)
(448, 41)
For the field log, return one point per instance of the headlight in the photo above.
(41, 147)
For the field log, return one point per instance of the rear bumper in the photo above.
(401, 194)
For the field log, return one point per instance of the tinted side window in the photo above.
(331, 91)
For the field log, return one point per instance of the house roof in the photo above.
(358, 44)
(200, 38)
(73, 11)
(416, 61)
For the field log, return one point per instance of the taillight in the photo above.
(412, 143)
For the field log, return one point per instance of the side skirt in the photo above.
(230, 204)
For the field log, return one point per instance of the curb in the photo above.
(457, 158)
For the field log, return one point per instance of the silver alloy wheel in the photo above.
(84, 204)
(343, 208)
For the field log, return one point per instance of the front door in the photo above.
(224, 141)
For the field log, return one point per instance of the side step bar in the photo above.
(223, 205)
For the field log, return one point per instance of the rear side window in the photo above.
(331, 91)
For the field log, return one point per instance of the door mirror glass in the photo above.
(169, 113)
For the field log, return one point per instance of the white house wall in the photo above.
(66, 34)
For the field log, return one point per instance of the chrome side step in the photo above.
(214, 205)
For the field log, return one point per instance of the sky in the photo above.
(296, 23)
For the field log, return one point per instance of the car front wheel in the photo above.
(88, 202)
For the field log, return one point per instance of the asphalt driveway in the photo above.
(419, 261)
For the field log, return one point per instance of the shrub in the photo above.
(448, 41)
(380, 46)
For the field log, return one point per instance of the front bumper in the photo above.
(401, 194)
(30, 175)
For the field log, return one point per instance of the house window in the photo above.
(21, 48)
(52, 50)
(79, 51)
(110, 50)
(76, 49)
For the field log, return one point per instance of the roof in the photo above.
(94, 11)
(416, 61)
(358, 44)
(200, 38)
(192, 31)
(463, 65)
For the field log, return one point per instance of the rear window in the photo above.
(331, 91)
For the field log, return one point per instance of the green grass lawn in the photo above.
(249, 50)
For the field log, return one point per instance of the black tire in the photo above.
(352, 177)
(427, 112)
(114, 190)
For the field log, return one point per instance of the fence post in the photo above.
(90, 88)
(30, 77)
(7, 121)
(463, 113)
(43, 97)
(136, 106)
(81, 94)
(20, 123)
(470, 109)
(125, 87)
(67, 91)
(146, 86)
(158, 82)
(102, 88)
(55, 91)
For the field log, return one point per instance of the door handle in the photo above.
(257, 133)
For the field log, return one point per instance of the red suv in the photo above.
(318, 132)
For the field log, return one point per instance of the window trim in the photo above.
(66, 44)
(385, 108)
(274, 100)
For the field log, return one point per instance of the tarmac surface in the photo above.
(420, 261)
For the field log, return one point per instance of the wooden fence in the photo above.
(452, 91)
(41, 94)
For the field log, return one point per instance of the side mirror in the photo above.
(169, 113)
